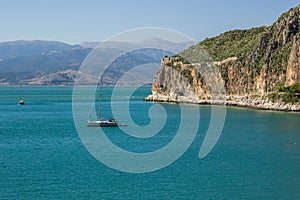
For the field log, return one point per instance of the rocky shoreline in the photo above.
(259, 103)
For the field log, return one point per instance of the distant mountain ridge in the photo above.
(52, 62)
(24, 68)
(29, 48)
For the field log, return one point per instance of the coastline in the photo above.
(259, 103)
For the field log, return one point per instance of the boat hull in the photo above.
(111, 122)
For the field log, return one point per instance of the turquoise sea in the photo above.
(43, 157)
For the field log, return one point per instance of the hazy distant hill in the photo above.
(30, 48)
(48, 62)
(23, 68)
(154, 41)
(133, 59)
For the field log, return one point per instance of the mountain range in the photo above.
(56, 63)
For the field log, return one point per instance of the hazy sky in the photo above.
(76, 21)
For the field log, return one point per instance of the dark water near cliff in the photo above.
(42, 156)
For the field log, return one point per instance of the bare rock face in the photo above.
(246, 68)
(293, 68)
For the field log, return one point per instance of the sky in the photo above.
(77, 21)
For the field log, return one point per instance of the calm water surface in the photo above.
(42, 157)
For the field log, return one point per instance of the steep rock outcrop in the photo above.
(251, 64)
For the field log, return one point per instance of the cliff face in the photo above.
(293, 68)
(250, 64)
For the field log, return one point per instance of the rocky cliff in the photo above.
(259, 68)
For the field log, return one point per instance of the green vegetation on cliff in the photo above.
(288, 94)
(236, 43)
(258, 46)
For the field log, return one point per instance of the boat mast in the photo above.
(100, 98)
(21, 101)
(20, 91)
